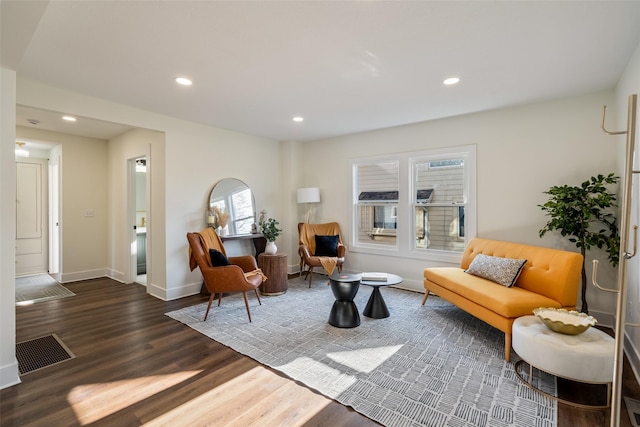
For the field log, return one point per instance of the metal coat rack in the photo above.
(621, 290)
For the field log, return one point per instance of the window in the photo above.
(431, 213)
(377, 202)
(385, 217)
(440, 219)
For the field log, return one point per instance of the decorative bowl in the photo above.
(565, 321)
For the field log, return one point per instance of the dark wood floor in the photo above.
(135, 366)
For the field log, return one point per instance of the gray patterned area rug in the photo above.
(39, 288)
(431, 365)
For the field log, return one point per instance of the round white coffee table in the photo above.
(587, 357)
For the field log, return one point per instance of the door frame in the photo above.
(131, 241)
(54, 217)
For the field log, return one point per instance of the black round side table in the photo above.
(344, 313)
(376, 307)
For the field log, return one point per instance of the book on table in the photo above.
(374, 277)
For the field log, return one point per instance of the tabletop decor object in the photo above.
(270, 231)
(568, 322)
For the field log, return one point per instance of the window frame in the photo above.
(373, 244)
(405, 246)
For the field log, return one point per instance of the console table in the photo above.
(259, 242)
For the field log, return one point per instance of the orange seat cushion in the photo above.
(508, 302)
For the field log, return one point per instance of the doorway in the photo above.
(139, 218)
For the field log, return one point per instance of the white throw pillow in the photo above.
(504, 271)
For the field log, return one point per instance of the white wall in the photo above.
(197, 158)
(132, 144)
(83, 188)
(630, 84)
(521, 152)
(193, 159)
(8, 362)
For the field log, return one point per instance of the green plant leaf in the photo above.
(585, 215)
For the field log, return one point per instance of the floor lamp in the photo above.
(308, 195)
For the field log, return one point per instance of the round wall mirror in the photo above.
(232, 199)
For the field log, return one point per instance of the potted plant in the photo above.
(270, 231)
(584, 215)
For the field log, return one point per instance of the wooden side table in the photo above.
(275, 268)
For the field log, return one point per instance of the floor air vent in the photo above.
(40, 353)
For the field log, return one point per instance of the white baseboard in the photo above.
(153, 290)
(9, 375)
(174, 293)
(604, 319)
(118, 276)
(411, 285)
(157, 292)
(83, 275)
(293, 269)
(633, 354)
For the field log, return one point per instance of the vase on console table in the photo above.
(271, 248)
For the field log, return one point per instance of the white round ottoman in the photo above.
(587, 357)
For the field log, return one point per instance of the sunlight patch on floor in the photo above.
(323, 374)
(364, 359)
(93, 402)
(226, 404)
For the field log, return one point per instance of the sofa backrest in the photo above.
(550, 272)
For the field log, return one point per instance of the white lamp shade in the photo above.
(308, 195)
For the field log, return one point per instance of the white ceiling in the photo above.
(346, 66)
(52, 120)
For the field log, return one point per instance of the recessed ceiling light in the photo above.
(451, 81)
(183, 81)
(298, 119)
(69, 118)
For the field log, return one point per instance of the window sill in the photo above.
(417, 254)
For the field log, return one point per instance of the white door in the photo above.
(31, 239)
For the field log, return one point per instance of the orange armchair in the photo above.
(311, 256)
(243, 275)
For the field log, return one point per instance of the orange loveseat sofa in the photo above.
(549, 278)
